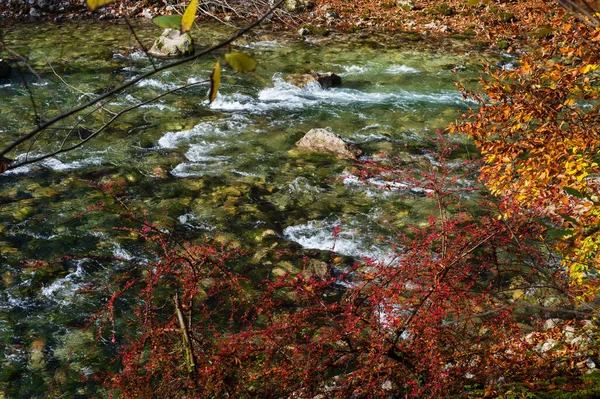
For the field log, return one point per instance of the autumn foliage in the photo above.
(537, 130)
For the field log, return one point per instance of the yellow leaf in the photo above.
(94, 4)
(590, 67)
(240, 62)
(215, 81)
(189, 16)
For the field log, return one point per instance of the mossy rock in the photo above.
(503, 44)
(445, 9)
(507, 17)
(542, 32)
(460, 36)
(316, 30)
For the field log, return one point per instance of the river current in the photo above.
(228, 169)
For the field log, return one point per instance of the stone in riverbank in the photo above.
(322, 140)
(5, 69)
(171, 44)
(298, 5)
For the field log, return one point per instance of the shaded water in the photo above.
(228, 168)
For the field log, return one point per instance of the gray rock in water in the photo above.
(303, 31)
(5, 69)
(322, 140)
(172, 43)
(326, 80)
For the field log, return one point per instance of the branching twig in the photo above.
(44, 125)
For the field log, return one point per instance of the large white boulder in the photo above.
(322, 140)
(172, 43)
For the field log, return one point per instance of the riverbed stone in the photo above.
(298, 5)
(5, 69)
(323, 140)
(326, 80)
(172, 43)
(37, 359)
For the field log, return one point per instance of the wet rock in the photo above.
(331, 16)
(318, 268)
(33, 12)
(303, 31)
(47, 5)
(5, 69)
(590, 364)
(171, 44)
(308, 29)
(326, 80)
(322, 140)
(160, 173)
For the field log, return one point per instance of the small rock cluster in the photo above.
(574, 340)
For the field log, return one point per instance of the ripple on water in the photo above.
(54, 164)
(234, 124)
(401, 69)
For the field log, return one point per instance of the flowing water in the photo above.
(228, 168)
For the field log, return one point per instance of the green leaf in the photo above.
(573, 192)
(95, 4)
(559, 233)
(189, 16)
(569, 219)
(215, 82)
(240, 62)
(168, 21)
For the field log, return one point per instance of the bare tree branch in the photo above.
(43, 125)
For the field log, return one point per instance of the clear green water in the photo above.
(227, 169)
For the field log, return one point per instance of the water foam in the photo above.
(234, 124)
(54, 164)
(63, 289)
(319, 234)
(401, 69)
(283, 95)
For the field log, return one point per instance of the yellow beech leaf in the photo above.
(215, 81)
(94, 4)
(589, 67)
(189, 16)
(240, 62)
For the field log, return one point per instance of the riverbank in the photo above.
(498, 23)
